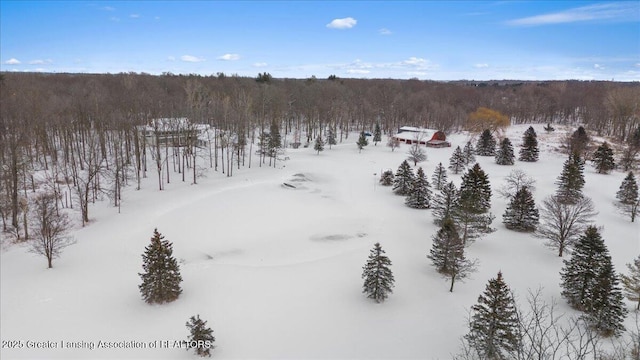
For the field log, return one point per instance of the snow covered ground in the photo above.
(276, 270)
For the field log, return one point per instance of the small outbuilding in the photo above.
(427, 137)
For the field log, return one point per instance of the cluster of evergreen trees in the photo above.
(504, 153)
(498, 330)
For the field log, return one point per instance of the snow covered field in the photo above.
(276, 270)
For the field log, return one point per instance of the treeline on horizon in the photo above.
(36, 101)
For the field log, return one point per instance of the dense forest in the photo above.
(80, 134)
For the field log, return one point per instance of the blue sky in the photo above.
(439, 40)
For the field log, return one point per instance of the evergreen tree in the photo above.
(161, 278)
(420, 195)
(403, 179)
(603, 159)
(631, 282)
(447, 254)
(590, 284)
(469, 154)
(628, 196)
(474, 202)
(439, 177)
(493, 332)
(578, 141)
(457, 161)
(319, 145)
(377, 135)
(504, 155)
(444, 203)
(486, 145)
(521, 213)
(571, 180)
(476, 189)
(275, 139)
(331, 138)
(362, 141)
(201, 337)
(387, 178)
(529, 151)
(378, 278)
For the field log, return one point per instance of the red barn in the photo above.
(427, 137)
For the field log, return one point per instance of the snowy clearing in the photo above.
(275, 268)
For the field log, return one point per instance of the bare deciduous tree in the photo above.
(416, 154)
(50, 235)
(516, 180)
(562, 223)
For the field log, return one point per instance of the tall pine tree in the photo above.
(486, 145)
(439, 177)
(631, 282)
(331, 137)
(504, 155)
(319, 145)
(403, 179)
(494, 325)
(474, 202)
(362, 141)
(420, 195)
(469, 154)
(603, 159)
(377, 275)
(444, 203)
(377, 135)
(457, 161)
(628, 196)
(589, 284)
(161, 278)
(200, 336)
(476, 189)
(579, 141)
(571, 180)
(447, 254)
(521, 213)
(529, 151)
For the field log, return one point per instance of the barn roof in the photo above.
(415, 133)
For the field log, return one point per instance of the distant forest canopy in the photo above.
(33, 103)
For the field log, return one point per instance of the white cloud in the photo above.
(260, 64)
(134, 16)
(40, 62)
(13, 61)
(637, 65)
(384, 31)
(114, 19)
(171, 58)
(613, 11)
(598, 66)
(481, 66)
(157, 18)
(414, 61)
(229, 57)
(346, 23)
(358, 71)
(190, 58)
(108, 8)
